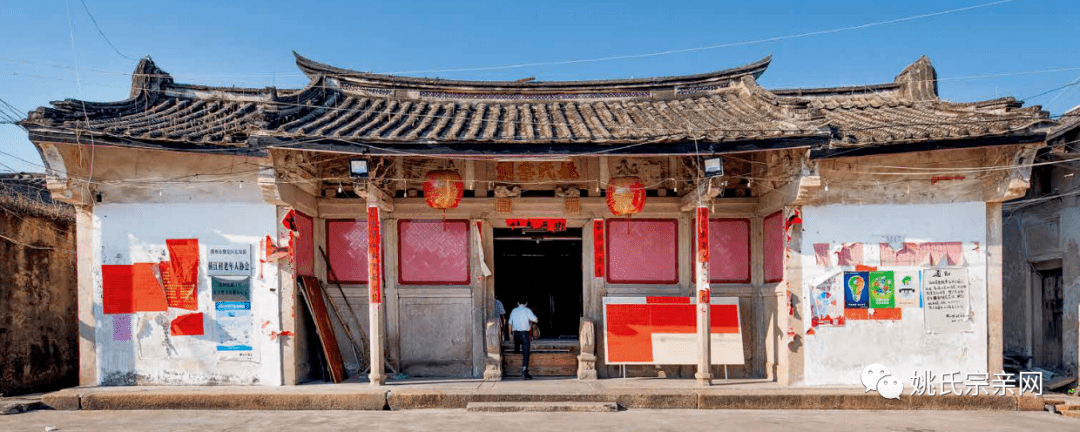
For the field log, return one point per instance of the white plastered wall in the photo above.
(129, 233)
(837, 355)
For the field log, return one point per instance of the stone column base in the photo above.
(586, 369)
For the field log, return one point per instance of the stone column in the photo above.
(994, 292)
(84, 258)
(375, 324)
(704, 325)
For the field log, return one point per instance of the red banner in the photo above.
(703, 234)
(598, 248)
(553, 225)
(374, 258)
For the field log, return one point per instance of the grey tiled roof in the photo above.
(349, 106)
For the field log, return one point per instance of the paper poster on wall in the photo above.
(121, 328)
(855, 296)
(908, 288)
(827, 307)
(882, 289)
(178, 295)
(184, 258)
(224, 288)
(228, 260)
(233, 329)
(946, 302)
(131, 288)
(187, 325)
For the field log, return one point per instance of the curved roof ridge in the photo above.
(313, 68)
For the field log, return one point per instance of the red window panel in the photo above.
(346, 244)
(729, 250)
(433, 252)
(305, 252)
(774, 247)
(643, 251)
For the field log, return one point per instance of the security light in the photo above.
(358, 168)
(714, 167)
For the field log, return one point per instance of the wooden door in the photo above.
(1050, 353)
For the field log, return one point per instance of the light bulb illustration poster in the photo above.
(882, 289)
(855, 290)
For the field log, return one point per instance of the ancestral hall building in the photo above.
(849, 225)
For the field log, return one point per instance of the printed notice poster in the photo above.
(234, 329)
(908, 290)
(827, 307)
(882, 289)
(228, 260)
(855, 287)
(230, 289)
(945, 300)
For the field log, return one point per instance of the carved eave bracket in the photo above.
(62, 186)
(1012, 183)
(284, 194)
(702, 194)
(375, 196)
(803, 190)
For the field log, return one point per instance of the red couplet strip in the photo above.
(598, 248)
(374, 258)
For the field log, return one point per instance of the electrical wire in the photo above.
(96, 26)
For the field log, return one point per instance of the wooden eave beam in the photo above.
(703, 193)
(375, 195)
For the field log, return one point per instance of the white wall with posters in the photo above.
(146, 351)
(836, 355)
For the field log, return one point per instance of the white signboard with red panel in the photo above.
(663, 330)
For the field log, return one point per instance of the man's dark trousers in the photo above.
(522, 338)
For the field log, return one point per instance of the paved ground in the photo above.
(634, 393)
(454, 420)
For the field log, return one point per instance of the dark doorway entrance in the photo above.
(544, 268)
(1050, 356)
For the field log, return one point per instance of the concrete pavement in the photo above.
(460, 420)
(630, 393)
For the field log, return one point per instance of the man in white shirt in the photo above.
(520, 320)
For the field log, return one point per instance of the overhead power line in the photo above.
(96, 26)
(711, 47)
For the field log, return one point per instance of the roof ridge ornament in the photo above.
(918, 81)
(148, 78)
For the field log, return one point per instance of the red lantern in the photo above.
(625, 196)
(443, 189)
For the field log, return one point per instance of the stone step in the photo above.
(542, 406)
(541, 364)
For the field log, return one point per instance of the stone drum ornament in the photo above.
(625, 196)
(443, 189)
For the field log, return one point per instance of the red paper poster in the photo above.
(184, 256)
(857, 314)
(178, 295)
(116, 289)
(850, 254)
(821, 254)
(374, 259)
(187, 325)
(131, 288)
(887, 314)
(598, 248)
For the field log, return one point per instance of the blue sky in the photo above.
(248, 44)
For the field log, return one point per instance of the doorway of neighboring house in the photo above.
(1049, 299)
(544, 268)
